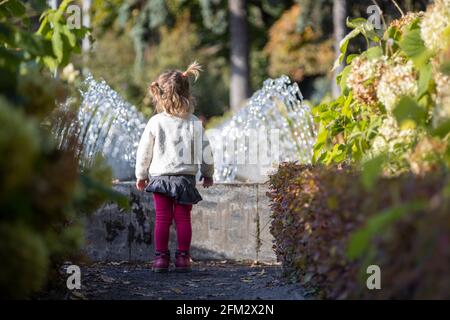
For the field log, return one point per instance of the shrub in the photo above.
(323, 217)
(43, 191)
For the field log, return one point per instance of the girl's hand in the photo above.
(141, 184)
(207, 182)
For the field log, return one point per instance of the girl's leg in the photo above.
(164, 215)
(182, 216)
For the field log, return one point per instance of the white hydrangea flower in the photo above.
(398, 79)
(441, 111)
(434, 24)
(364, 77)
(389, 136)
(69, 73)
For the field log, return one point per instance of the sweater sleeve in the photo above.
(144, 153)
(207, 165)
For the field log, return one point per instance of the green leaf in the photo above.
(371, 171)
(408, 109)
(425, 76)
(343, 45)
(414, 48)
(61, 9)
(58, 46)
(33, 44)
(343, 78)
(346, 110)
(373, 52)
(442, 130)
(50, 62)
(445, 68)
(322, 136)
(14, 7)
(350, 57)
(360, 240)
(7, 34)
(72, 39)
(356, 22)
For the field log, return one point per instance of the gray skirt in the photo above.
(179, 187)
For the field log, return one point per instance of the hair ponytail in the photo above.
(172, 91)
(193, 69)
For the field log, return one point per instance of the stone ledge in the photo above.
(232, 222)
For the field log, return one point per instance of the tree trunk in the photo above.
(339, 17)
(239, 53)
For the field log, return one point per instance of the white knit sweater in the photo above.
(172, 145)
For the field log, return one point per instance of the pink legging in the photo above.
(167, 209)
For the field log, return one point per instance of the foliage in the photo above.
(297, 54)
(387, 201)
(328, 229)
(392, 96)
(43, 192)
(64, 40)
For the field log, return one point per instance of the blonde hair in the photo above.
(172, 91)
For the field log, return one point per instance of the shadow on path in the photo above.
(209, 280)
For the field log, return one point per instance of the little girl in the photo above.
(168, 161)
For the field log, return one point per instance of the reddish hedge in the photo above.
(316, 209)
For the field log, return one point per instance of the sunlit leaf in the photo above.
(414, 48)
(408, 109)
(425, 76)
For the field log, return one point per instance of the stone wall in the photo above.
(232, 222)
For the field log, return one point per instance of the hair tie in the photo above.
(184, 74)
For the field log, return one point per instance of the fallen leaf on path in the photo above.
(192, 285)
(176, 290)
(75, 295)
(107, 279)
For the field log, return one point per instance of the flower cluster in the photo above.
(406, 20)
(424, 157)
(441, 112)
(390, 136)
(434, 25)
(364, 78)
(398, 79)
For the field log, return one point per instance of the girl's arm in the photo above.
(144, 153)
(207, 165)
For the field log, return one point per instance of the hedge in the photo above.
(328, 228)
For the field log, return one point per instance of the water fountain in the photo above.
(276, 108)
(109, 125)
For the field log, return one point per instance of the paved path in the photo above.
(209, 280)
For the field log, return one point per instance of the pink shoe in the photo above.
(161, 262)
(183, 261)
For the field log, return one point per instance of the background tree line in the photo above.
(240, 42)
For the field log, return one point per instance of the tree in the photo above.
(339, 17)
(239, 53)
